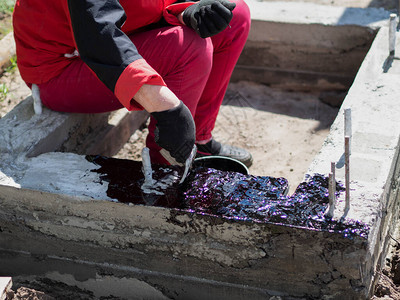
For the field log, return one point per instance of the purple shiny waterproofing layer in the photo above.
(231, 195)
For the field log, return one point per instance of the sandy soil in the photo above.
(16, 91)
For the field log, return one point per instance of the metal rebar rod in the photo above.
(146, 165)
(347, 172)
(331, 209)
(347, 124)
(333, 171)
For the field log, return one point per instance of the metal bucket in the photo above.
(221, 163)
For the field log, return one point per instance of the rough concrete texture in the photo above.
(53, 131)
(24, 135)
(57, 222)
(374, 166)
(306, 46)
(159, 246)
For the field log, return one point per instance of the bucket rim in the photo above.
(224, 158)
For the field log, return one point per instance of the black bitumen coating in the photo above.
(231, 195)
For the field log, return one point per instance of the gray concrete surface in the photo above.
(24, 136)
(57, 222)
(158, 246)
(317, 12)
(374, 162)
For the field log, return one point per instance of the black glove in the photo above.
(209, 17)
(175, 132)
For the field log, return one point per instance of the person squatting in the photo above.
(172, 58)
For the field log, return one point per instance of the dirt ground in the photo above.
(388, 286)
(5, 22)
(283, 131)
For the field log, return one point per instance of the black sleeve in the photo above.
(101, 43)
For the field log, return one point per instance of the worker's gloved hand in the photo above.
(175, 132)
(209, 17)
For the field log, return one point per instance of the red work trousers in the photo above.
(197, 70)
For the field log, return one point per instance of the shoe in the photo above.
(214, 148)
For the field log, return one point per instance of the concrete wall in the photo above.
(306, 46)
(375, 147)
(157, 246)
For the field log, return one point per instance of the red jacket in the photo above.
(45, 31)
